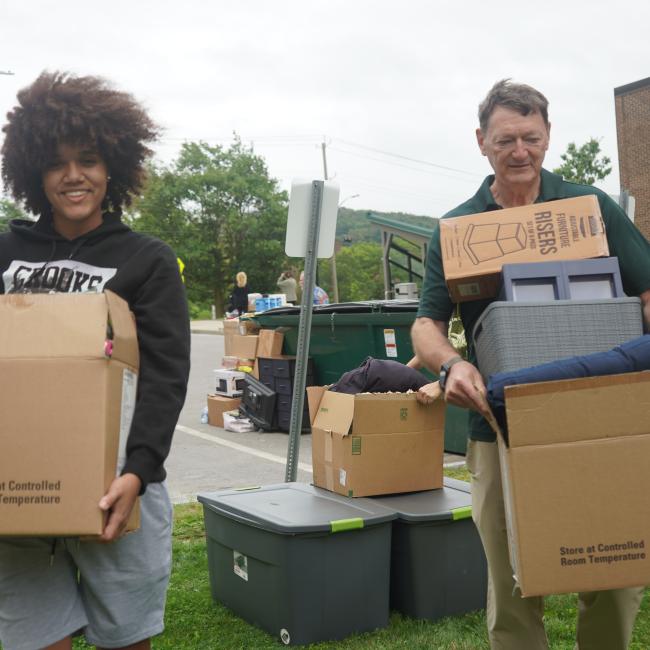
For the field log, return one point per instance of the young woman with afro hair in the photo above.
(74, 155)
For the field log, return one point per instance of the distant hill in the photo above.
(353, 225)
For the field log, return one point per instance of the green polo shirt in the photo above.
(625, 242)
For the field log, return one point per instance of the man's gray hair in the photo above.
(518, 97)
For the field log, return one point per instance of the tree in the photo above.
(582, 164)
(222, 213)
(8, 211)
(358, 270)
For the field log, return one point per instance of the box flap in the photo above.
(52, 325)
(395, 413)
(314, 394)
(572, 410)
(335, 412)
(125, 339)
(368, 413)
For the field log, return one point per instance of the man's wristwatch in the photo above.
(444, 370)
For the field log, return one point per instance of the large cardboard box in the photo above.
(67, 402)
(269, 344)
(576, 477)
(231, 326)
(233, 330)
(218, 405)
(244, 347)
(375, 443)
(475, 247)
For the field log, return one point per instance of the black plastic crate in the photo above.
(265, 367)
(258, 403)
(284, 421)
(287, 367)
(283, 402)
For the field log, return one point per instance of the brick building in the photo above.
(633, 134)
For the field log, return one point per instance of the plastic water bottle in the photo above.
(204, 415)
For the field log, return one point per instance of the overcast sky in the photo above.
(392, 88)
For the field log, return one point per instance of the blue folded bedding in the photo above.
(631, 356)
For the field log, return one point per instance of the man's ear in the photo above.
(548, 138)
(480, 138)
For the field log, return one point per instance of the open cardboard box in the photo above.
(475, 247)
(375, 443)
(67, 403)
(576, 480)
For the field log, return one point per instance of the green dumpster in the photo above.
(344, 334)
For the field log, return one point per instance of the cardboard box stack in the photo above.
(244, 344)
(574, 467)
(63, 442)
(239, 339)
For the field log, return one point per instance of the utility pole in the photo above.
(334, 279)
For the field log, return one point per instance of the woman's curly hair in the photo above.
(61, 108)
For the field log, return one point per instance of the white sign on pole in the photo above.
(300, 215)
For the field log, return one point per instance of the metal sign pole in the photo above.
(304, 330)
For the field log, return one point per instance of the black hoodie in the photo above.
(143, 271)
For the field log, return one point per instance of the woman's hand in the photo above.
(118, 503)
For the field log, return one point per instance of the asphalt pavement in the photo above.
(204, 458)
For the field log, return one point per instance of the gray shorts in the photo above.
(113, 593)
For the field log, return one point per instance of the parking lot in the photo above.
(206, 458)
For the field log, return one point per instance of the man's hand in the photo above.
(465, 388)
(464, 385)
(118, 503)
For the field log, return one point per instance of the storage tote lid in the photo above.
(450, 503)
(291, 508)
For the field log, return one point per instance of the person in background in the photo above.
(320, 296)
(239, 296)
(514, 134)
(74, 153)
(288, 286)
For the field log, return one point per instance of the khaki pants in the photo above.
(605, 618)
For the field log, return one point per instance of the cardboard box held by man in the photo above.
(576, 478)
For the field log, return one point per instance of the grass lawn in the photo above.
(195, 622)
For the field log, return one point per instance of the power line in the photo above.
(309, 139)
(397, 155)
(396, 164)
(267, 139)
